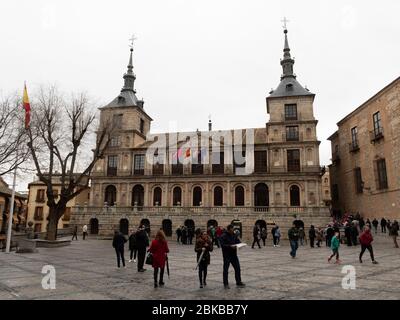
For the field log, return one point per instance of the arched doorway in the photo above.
(146, 224)
(218, 196)
(124, 226)
(167, 227)
(110, 196)
(94, 226)
(261, 195)
(239, 196)
(177, 196)
(294, 196)
(261, 223)
(138, 196)
(157, 196)
(197, 196)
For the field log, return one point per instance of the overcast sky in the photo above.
(195, 58)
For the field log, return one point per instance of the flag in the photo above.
(27, 108)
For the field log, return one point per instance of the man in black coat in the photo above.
(118, 244)
(354, 234)
(256, 236)
(178, 234)
(375, 223)
(383, 225)
(229, 253)
(329, 235)
(312, 235)
(142, 242)
(347, 234)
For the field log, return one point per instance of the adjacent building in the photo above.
(38, 210)
(365, 169)
(266, 175)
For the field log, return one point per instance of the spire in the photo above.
(287, 62)
(129, 76)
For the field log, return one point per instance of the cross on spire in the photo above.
(132, 40)
(284, 22)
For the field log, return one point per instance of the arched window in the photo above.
(138, 195)
(157, 196)
(239, 196)
(218, 196)
(261, 195)
(177, 196)
(197, 196)
(294, 196)
(110, 195)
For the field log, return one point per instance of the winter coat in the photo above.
(142, 240)
(311, 233)
(118, 241)
(226, 241)
(198, 248)
(132, 242)
(335, 243)
(383, 222)
(159, 249)
(366, 238)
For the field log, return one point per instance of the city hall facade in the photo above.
(265, 175)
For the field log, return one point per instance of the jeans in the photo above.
(294, 245)
(120, 256)
(133, 254)
(371, 252)
(234, 260)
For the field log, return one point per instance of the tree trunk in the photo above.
(53, 224)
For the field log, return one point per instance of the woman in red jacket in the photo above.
(366, 240)
(159, 249)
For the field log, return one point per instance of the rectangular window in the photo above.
(354, 137)
(260, 161)
(358, 180)
(292, 133)
(290, 111)
(239, 160)
(115, 142)
(217, 162)
(377, 124)
(382, 176)
(112, 165)
(142, 126)
(293, 160)
(117, 121)
(40, 195)
(138, 167)
(38, 213)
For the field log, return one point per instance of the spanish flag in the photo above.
(27, 108)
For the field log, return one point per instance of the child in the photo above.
(335, 243)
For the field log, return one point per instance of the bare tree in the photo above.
(13, 150)
(60, 130)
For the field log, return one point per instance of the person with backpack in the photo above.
(118, 244)
(365, 241)
(312, 235)
(203, 247)
(264, 235)
(335, 244)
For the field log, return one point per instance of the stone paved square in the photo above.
(87, 270)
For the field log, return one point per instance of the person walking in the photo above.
(203, 247)
(312, 236)
(159, 249)
(320, 237)
(335, 244)
(302, 236)
(132, 246)
(375, 223)
(365, 241)
(294, 240)
(264, 235)
(354, 234)
(119, 246)
(84, 230)
(256, 236)
(383, 225)
(348, 234)
(229, 254)
(178, 234)
(277, 236)
(142, 242)
(394, 232)
(75, 233)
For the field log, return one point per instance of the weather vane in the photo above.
(132, 40)
(284, 22)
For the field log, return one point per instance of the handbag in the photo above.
(149, 258)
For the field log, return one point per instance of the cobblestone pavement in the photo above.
(87, 270)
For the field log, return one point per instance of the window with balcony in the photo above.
(112, 166)
(381, 174)
(358, 180)
(292, 133)
(260, 161)
(290, 112)
(138, 166)
(217, 162)
(293, 160)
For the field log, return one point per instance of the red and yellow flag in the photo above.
(27, 108)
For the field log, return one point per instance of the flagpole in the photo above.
(11, 215)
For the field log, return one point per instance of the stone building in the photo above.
(267, 174)
(38, 210)
(366, 157)
(326, 189)
(19, 217)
